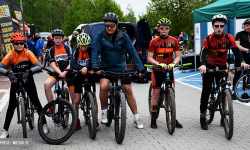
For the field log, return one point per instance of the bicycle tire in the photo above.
(91, 118)
(31, 111)
(120, 120)
(149, 102)
(23, 112)
(238, 89)
(84, 109)
(209, 114)
(228, 122)
(66, 114)
(71, 128)
(171, 110)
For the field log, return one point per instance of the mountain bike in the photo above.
(46, 61)
(167, 97)
(220, 100)
(62, 121)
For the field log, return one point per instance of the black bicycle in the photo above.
(46, 61)
(242, 87)
(62, 121)
(117, 103)
(220, 100)
(167, 90)
(87, 105)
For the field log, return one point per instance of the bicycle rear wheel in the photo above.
(228, 119)
(241, 89)
(209, 114)
(170, 108)
(23, 112)
(91, 115)
(31, 114)
(120, 119)
(58, 133)
(149, 102)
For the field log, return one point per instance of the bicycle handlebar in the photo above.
(183, 66)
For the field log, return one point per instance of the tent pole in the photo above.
(234, 26)
(194, 52)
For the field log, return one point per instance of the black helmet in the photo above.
(57, 32)
(247, 21)
(110, 17)
(66, 39)
(219, 17)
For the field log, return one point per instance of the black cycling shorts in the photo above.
(125, 81)
(158, 77)
(69, 82)
(79, 80)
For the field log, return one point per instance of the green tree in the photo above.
(130, 17)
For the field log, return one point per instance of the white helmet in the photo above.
(83, 39)
(219, 17)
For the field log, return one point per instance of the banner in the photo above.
(19, 16)
(6, 25)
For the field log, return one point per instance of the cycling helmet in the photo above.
(219, 17)
(66, 39)
(164, 21)
(48, 37)
(83, 39)
(247, 21)
(110, 17)
(57, 32)
(17, 37)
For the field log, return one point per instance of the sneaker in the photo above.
(45, 129)
(233, 96)
(203, 122)
(104, 118)
(78, 125)
(245, 96)
(221, 122)
(50, 111)
(178, 125)
(4, 134)
(97, 126)
(138, 123)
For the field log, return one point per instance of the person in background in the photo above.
(31, 44)
(73, 43)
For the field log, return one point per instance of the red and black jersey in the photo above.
(217, 48)
(163, 49)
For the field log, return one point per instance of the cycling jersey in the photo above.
(60, 55)
(81, 59)
(216, 48)
(20, 61)
(163, 49)
(244, 38)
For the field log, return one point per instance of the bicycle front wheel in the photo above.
(209, 114)
(170, 108)
(91, 115)
(242, 89)
(23, 112)
(120, 118)
(149, 102)
(57, 132)
(227, 108)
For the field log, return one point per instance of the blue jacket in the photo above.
(39, 44)
(113, 55)
(185, 37)
(31, 45)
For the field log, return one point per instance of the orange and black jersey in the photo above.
(80, 59)
(61, 56)
(20, 61)
(214, 49)
(163, 48)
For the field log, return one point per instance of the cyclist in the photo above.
(243, 43)
(215, 47)
(80, 61)
(21, 60)
(39, 48)
(160, 54)
(49, 42)
(59, 60)
(111, 43)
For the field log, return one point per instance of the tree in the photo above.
(130, 17)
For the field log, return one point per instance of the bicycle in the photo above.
(63, 117)
(242, 87)
(87, 105)
(220, 100)
(117, 103)
(46, 61)
(25, 108)
(167, 89)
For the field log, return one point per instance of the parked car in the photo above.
(140, 35)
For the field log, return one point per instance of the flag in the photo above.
(19, 16)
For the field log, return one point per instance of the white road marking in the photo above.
(4, 99)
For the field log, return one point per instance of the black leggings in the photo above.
(207, 80)
(32, 93)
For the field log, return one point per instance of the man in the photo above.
(36, 37)
(243, 42)
(31, 44)
(160, 53)
(215, 46)
(39, 48)
(111, 43)
(73, 43)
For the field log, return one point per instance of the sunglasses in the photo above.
(217, 26)
(164, 28)
(21, 43)
(111, 26)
